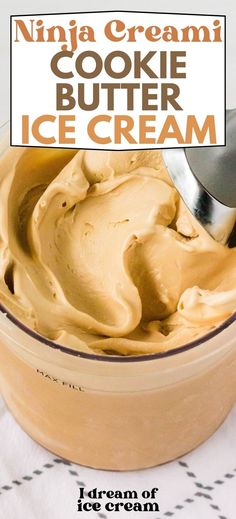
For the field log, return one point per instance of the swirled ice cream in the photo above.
(99, 253)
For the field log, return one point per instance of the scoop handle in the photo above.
(215, 167)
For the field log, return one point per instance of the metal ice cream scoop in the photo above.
(206, 181)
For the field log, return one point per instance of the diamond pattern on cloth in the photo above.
(35, 483)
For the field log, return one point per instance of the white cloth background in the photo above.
(36, 484)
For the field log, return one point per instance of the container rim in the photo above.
(116, 358)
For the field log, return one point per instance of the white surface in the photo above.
(201, 484)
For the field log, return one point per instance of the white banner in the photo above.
(117, 80)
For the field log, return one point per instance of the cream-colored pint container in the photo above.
(118, 413)
(105, 411)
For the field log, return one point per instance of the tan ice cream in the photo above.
(99, 253)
